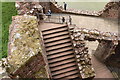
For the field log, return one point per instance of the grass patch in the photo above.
(0, 30)
(8, 10)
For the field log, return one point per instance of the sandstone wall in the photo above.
(56, 8)
(45, 5)
(105, 50)
(81, 52)
(111, 10)
(107, 41)
(114, 60)
(25, 53)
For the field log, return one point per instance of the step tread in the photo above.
(62, 62)
(66, 74)
(56, 39)
(59, 51)
(56, 35)
(74, 76)
(61, 58)
(63, 71)
(58, 42)
(58, 46)
(60, 54)
(63, 67)
(55, 31)
(54, 28)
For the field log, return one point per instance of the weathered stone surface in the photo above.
(107, 41)
(112, 10)
(28, 7)
(81, 52)
(25, 54)
(114, 59)
(105, 50)
(94, 34)
(3, 69)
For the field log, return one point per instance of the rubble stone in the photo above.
(81, 52)
(107, 45)
(3, 69)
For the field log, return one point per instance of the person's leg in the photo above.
(49, 18)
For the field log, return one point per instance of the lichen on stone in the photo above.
(42, 73)
(25, 41)
(3, 69)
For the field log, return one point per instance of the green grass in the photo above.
(8, 10)
(0, 30)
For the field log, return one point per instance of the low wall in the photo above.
(81, 52)
(111, 10)
(107, 41)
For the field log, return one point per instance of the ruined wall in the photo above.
(56, 8)
(111, 10)
(105, 50)
(114, 59)
(107, 41)
(25, 53)
(81, 52)
(28, 7)
(46, 6)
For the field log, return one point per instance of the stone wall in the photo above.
(56, 8)
(111, 10)
(81, 52)
(105, 50)
(25, 54)
(107, 41)
(114, 60)
(46, 6)
(28, 7)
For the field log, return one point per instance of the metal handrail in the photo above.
(57, 19)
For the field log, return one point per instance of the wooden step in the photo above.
(59, 46)
(62, 62)
(64, 71)
(60, 54)
(55, 35)
(61, 58)
(53, 28)
(58, 43)
(73, 77)
(59, 51)
(54, 31)
(66, 74)
(63, 67)
(56, 39)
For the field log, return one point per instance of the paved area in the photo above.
(100, 24)
(89, 22)
(100, 69)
